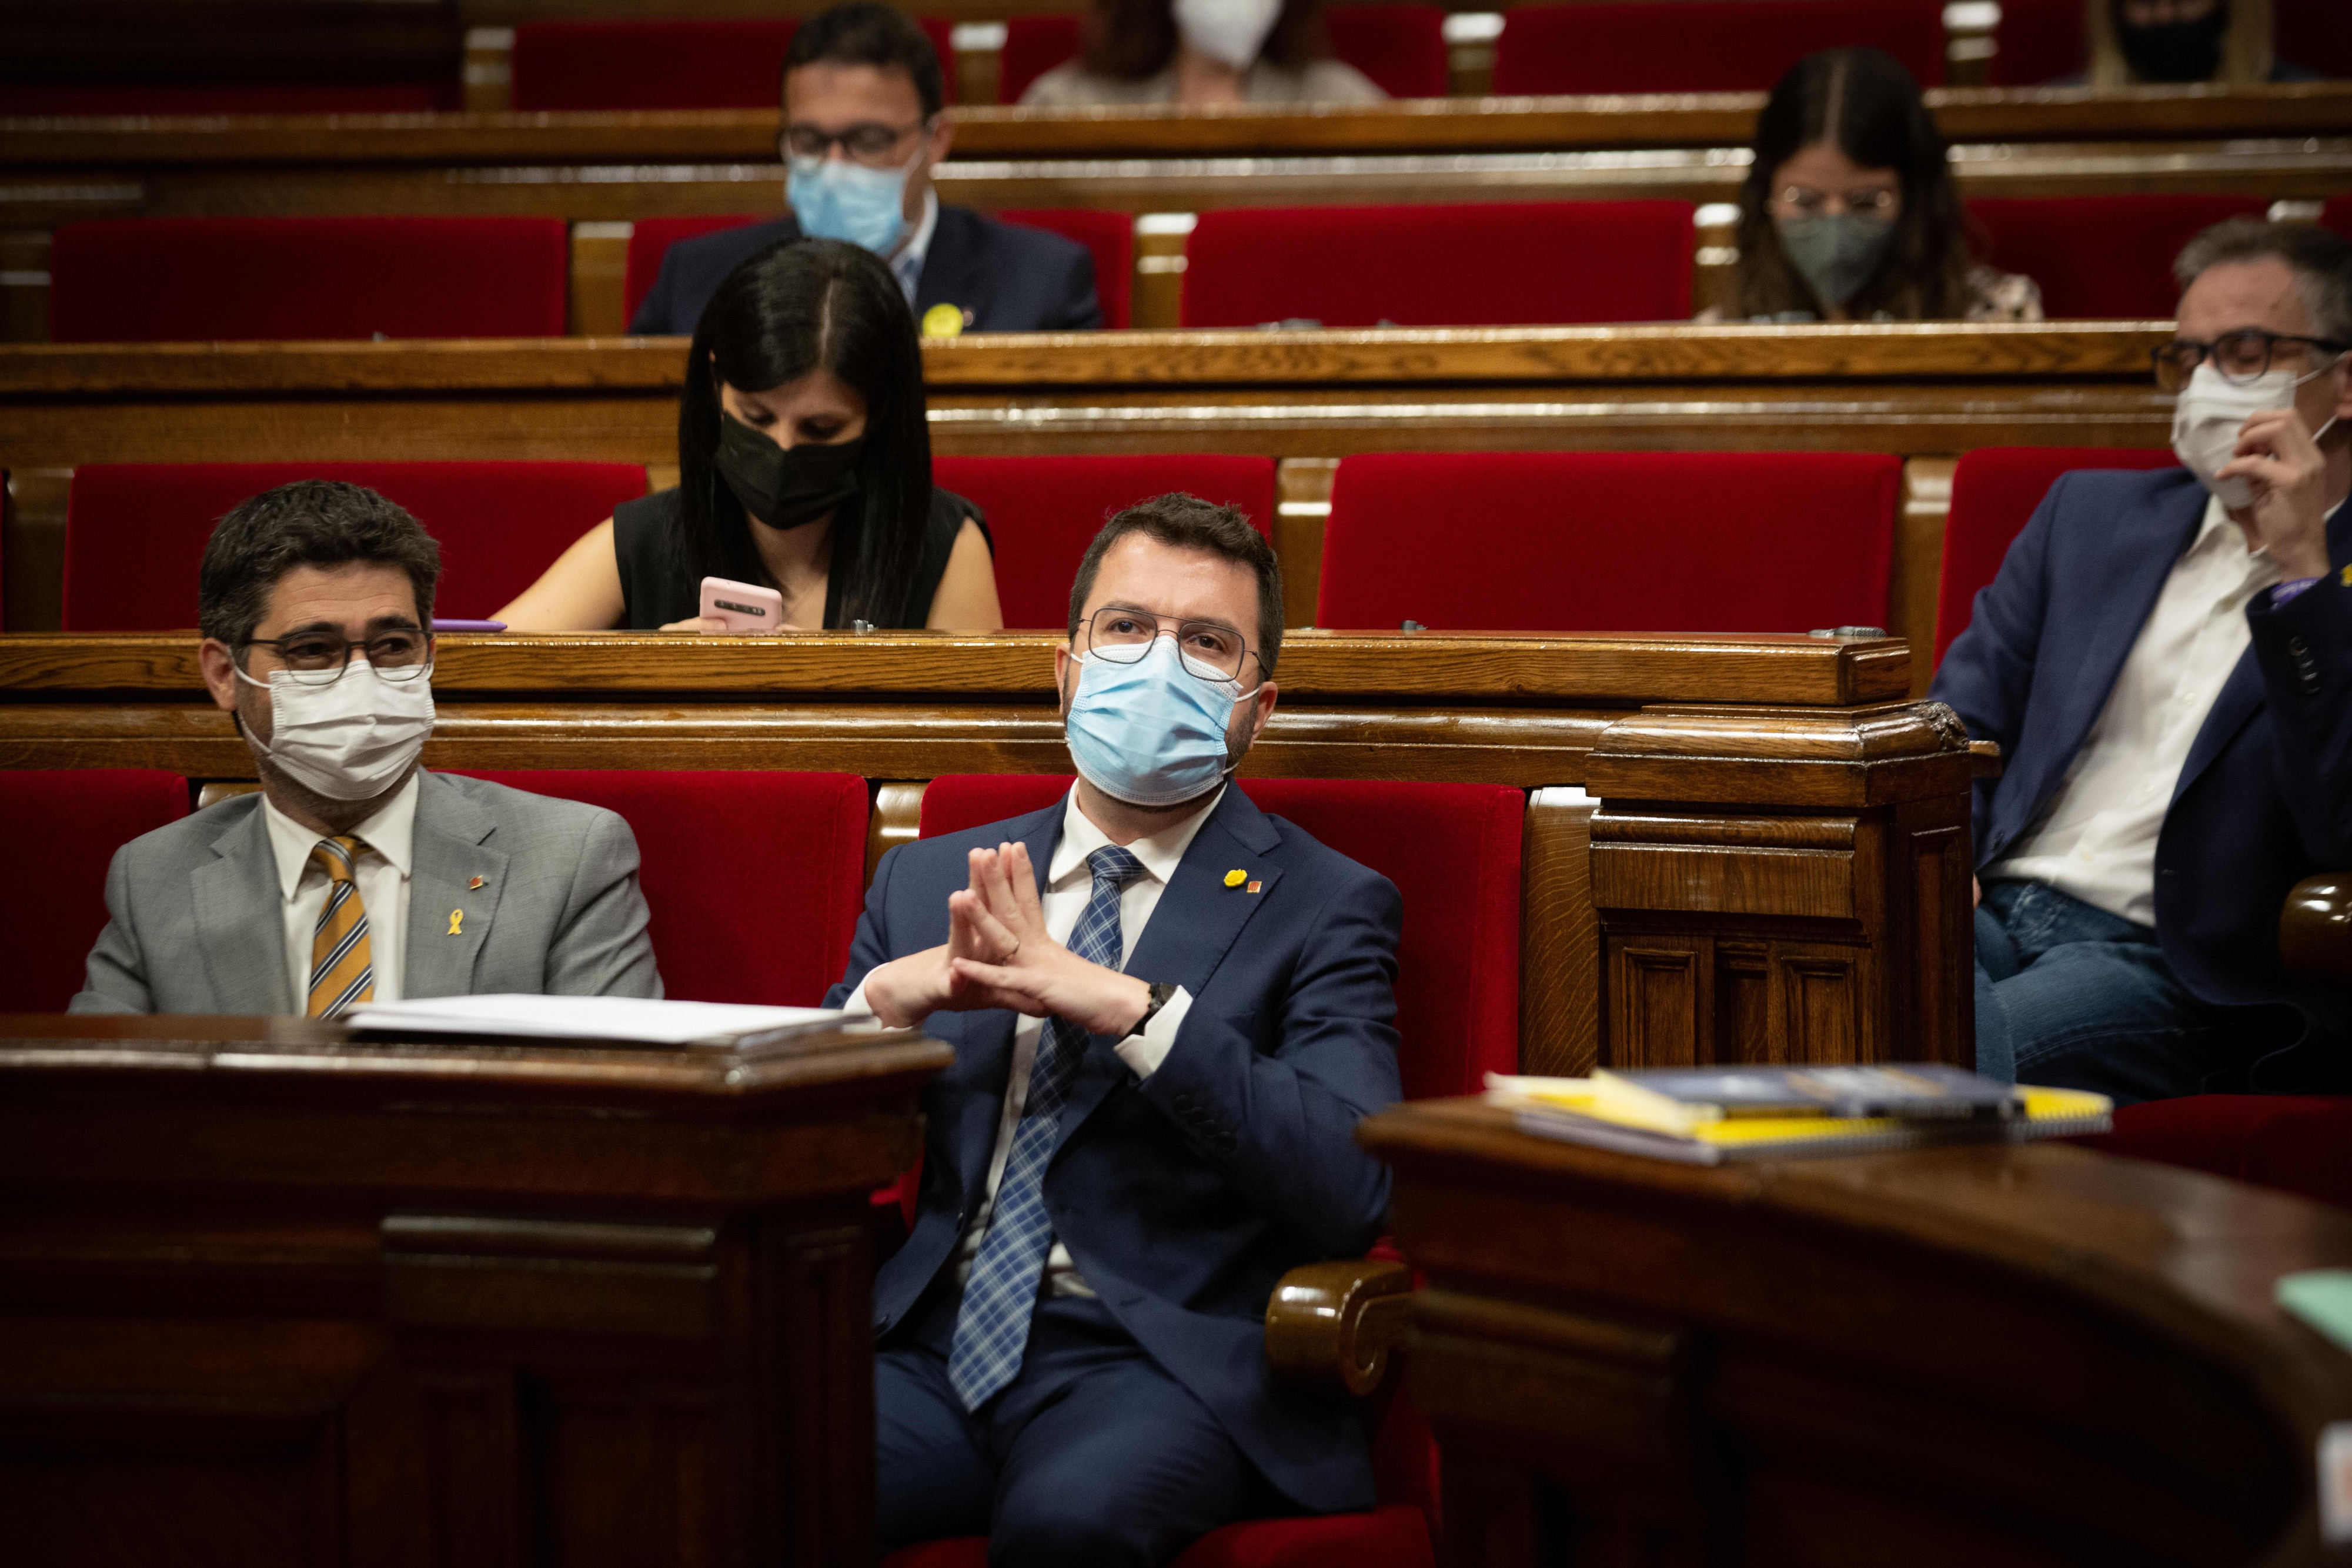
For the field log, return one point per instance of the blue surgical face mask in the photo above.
(1151, 733)
(837, 199)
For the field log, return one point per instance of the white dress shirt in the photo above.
(380, 870)
(907, 262)
(2098, 841)
(1069, 887)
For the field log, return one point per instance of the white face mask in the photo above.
(2210, 411)
(1228, 30)
(351, 739)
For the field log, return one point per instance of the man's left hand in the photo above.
(1040, 976)
(2278, 458)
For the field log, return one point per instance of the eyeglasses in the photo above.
(1209, 650)
(1809, 203)
(866, 144)
(319, 658)
(2242, 356)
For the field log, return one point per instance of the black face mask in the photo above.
(2174, 51)
(784, 489)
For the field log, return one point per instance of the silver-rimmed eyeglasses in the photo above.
(1208, 649)
(319, 658)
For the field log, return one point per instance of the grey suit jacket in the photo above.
(195, 921)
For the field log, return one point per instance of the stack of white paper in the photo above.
(634, 1019)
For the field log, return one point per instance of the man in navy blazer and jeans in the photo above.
(1170, 1010)
(2166, 659)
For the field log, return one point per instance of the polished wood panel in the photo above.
(2033, 1354)
(268, 1293)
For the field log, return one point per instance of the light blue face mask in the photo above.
(837, 199)
(1150, 733)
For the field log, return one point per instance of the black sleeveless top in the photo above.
(657, 587)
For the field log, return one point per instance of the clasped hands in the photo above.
(2278, 458)
(997, 954)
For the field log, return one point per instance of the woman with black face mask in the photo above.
(804, 465)
(1849, 212)
(2134, 42)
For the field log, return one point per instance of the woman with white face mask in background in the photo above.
(1202, 52)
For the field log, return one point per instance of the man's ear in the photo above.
(1267, 695)
(219, 666)
(1061, 672)
(942, 135)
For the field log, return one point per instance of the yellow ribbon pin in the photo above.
(944, 322)
(454, 916)
(1235, 878)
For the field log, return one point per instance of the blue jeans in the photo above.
(2071, 996)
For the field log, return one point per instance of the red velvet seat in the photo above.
(2294, 1143)
(1452, 850)
(2315, 34)
(1400, 47)
(1994, 492)
(1609, 541)
(58, 833)
(252, 98)
(136, 531)
(2337, 216)
(1110, 236)
(1044, 511)
(753, 880)
(2037, 41)
(2107, 257)
(674, 64)
(1712, 46)
(1488, 264)
(131, 280)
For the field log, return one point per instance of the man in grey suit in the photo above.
(353, 875)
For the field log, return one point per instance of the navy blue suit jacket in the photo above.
(1010, 278)
(1184, 1196)
(2265, 797)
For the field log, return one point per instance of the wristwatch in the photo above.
(1160, 997)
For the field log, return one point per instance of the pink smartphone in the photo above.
(741, 606)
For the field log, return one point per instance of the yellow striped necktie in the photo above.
(341, 974)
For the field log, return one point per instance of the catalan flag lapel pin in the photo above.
(1255, 885)
(473, 884)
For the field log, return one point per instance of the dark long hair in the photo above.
(1862, 102)
(796, 306)
(1129, 40)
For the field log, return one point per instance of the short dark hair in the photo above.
(862, 33)
(2320, 259)
(1187, 522)
(311, 522)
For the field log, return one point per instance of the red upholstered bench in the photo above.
(1483, 264)
(2337, 216)
(136, 531)
(58, 833)
(1994, 492)
(1452, 850)
(134, 280)
(2298, 1144)
(1044, 511)
(2102, 256)
(1713, 45)
(1730, 541)
(251, 98)
(753, 880)
(1400, 47)
(677, 64)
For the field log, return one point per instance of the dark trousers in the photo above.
(2071, 996)
(1091, 1455)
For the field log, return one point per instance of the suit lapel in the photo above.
(241, 920)
(2145, 550)
(951, 274)
(447, 853)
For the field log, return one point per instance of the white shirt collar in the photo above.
(1160, 853)
(390, 833)
(906, 266)
(2217, 518)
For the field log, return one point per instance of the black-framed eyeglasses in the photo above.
(1209, 650)
(2241, 356)
(319, 658)
(868, 142)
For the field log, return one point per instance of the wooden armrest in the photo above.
(2316, 929)
(1984, 760)
(1330, 1326)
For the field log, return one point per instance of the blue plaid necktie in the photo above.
(992, 1328)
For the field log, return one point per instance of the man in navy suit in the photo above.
(1170, 1011)
(2166, 659)
(864, 124)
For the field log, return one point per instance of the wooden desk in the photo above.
(2017, 1355)
(268, 1295)
(1737, 847)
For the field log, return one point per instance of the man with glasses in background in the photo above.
(1169, 1010)
(2166, 660)
(865, 123)
(353, 875)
